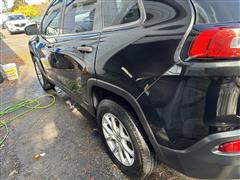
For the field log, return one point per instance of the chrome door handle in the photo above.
(50, 42)
(49, 45)
(85, 49)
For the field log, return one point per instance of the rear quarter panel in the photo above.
(134, 57)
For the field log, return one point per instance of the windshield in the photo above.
(16, 17)
(217, 11)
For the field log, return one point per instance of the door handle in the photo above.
(50, 42)
(85, 49)
(49, 45)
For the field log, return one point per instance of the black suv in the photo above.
(161, 76)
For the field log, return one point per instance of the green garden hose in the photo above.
(30, 104)
(6, 135)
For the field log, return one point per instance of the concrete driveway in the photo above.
(68, 136)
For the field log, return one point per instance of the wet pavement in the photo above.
(66, 137)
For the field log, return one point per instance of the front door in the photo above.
(49, 29)
(76, 47)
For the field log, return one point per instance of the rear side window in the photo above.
(117, 12)
(51, 21)
(217, 11)
(79, 16)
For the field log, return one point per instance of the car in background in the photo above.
(16, 23)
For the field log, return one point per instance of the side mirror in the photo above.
(32, 29)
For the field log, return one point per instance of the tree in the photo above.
(40, 8)
(18, 3)
(28, 11)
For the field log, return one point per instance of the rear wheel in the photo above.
(46, 85)
(123, 139)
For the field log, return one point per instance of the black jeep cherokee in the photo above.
(161, 76)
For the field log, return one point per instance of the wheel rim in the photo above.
(39, 74)
(118, 139)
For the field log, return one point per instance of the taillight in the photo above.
(217, 43)
(230, 147)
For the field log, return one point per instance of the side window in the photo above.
(79, 16)
(117, 12)
(51, 21)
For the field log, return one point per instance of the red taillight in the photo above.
(217, 43)
(230, 147)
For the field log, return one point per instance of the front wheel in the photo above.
(123, 139)
(46, 85)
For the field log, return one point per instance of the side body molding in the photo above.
(127, 97)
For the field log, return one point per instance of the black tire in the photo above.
(9, 32)
(46, 85)
(144, 162)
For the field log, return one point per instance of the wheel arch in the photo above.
(113, 90)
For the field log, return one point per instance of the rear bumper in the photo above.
(190, 117)
(202, 160)
(226, 68)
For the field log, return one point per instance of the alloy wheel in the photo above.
(118, 139)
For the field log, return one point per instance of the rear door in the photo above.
(76, 47)
(117, 62)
